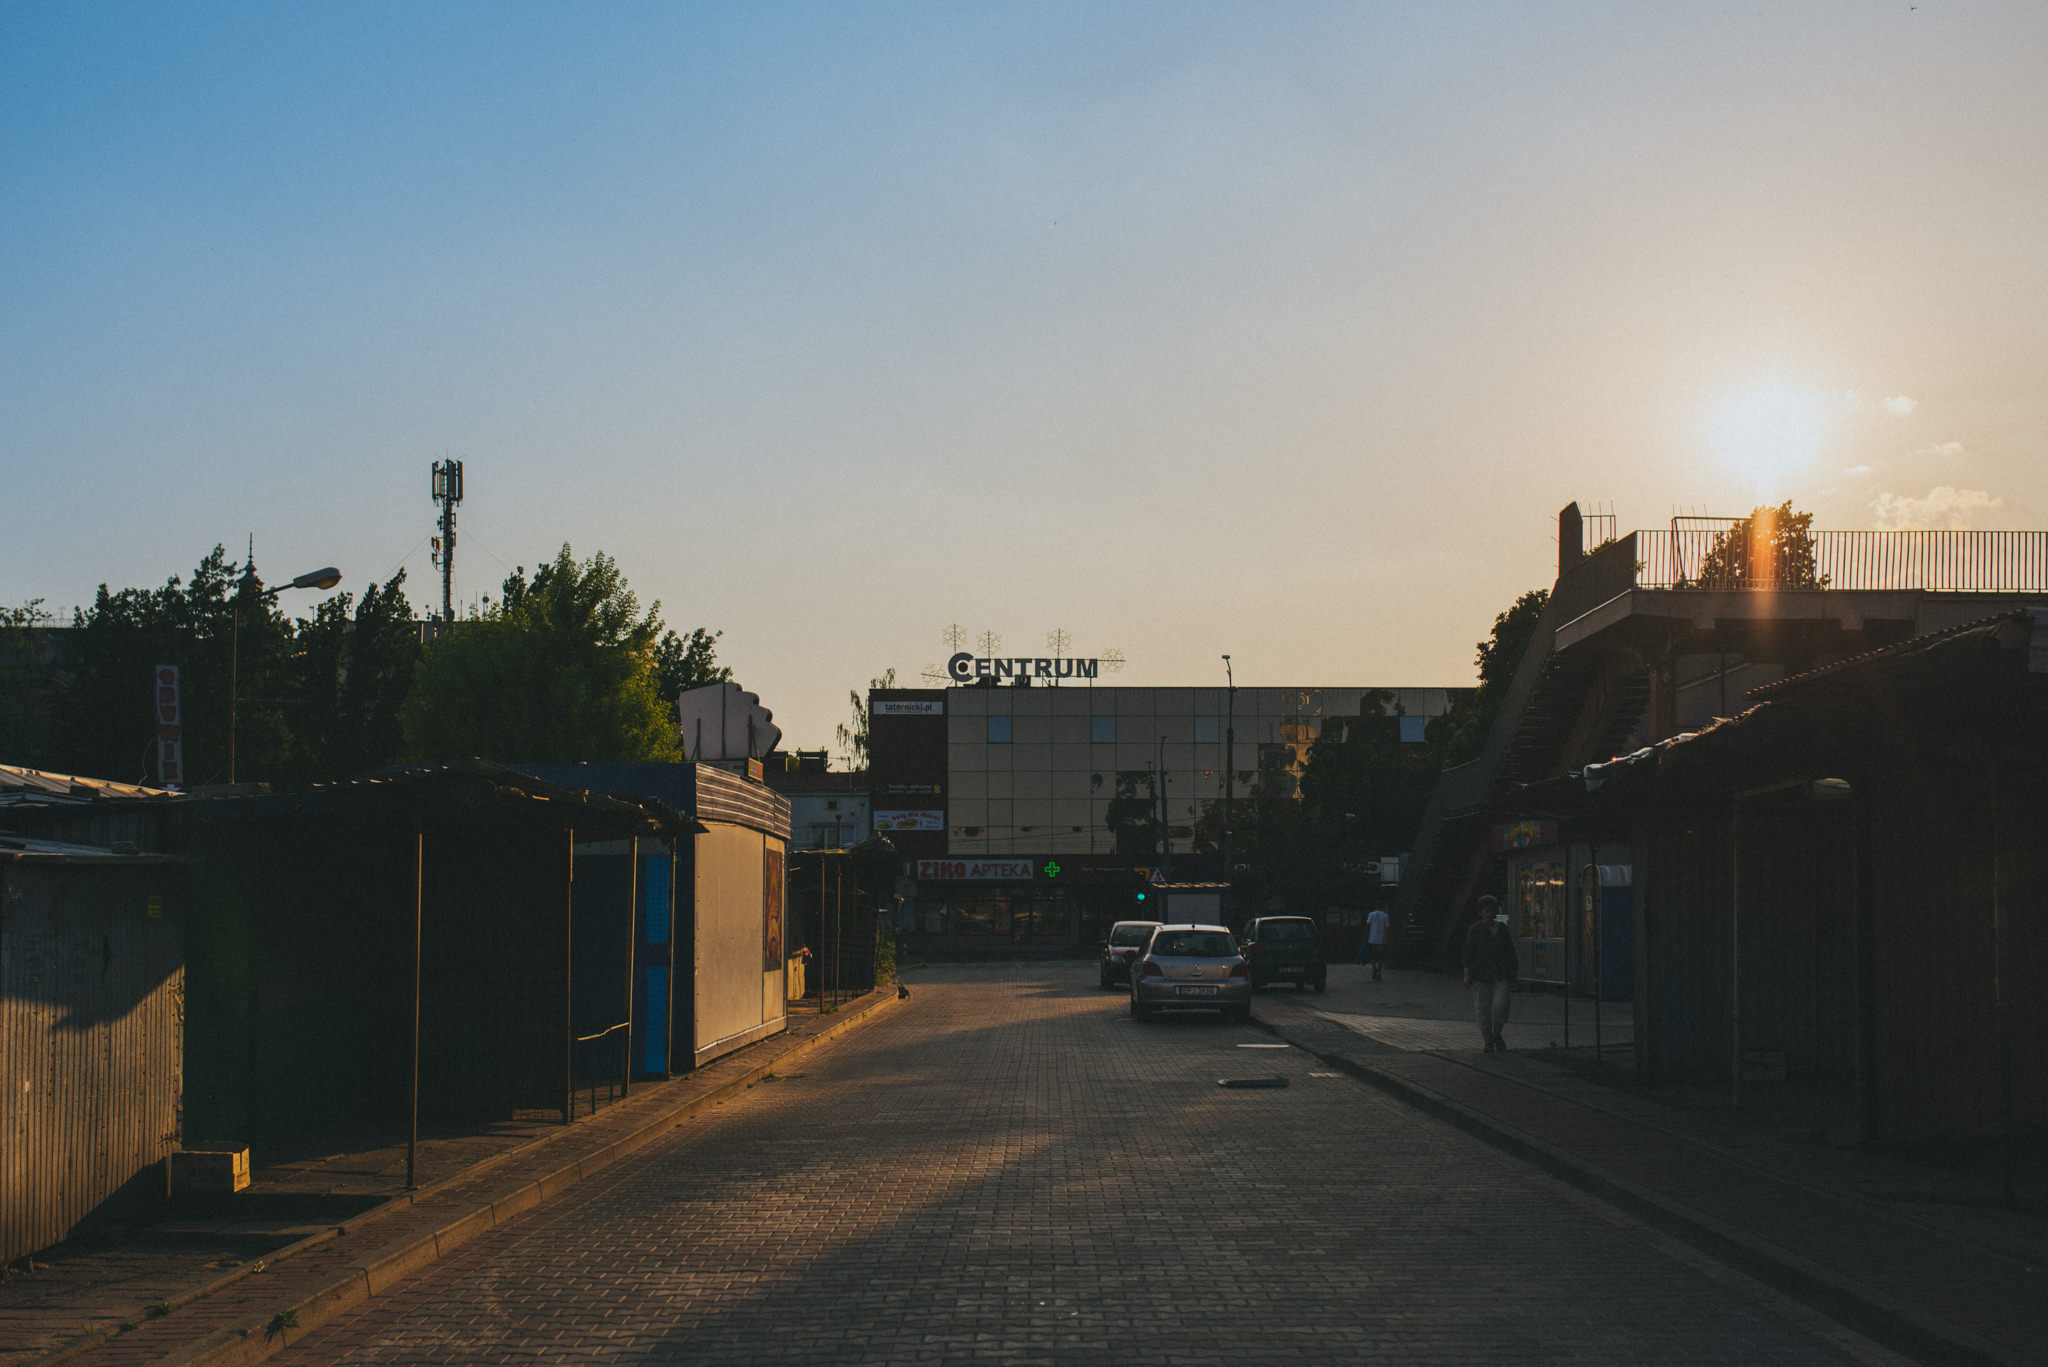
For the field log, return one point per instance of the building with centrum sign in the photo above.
(1030, 802)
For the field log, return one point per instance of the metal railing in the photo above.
(1937, 561)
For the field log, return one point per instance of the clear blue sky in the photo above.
(1276, 329)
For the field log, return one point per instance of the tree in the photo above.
(1462, 731)
(685, 662)
(27, 686)
(853, 740)
(1771, 548)
(352, 673)
(562, 670)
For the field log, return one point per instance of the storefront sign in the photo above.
(1523, 835)
(972, 870)
(912, 789)
(914, 707)
(170, 729)
(965, 668)
(910, 821)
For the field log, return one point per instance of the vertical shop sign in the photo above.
(170, 729)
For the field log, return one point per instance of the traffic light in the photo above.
(1142, 894)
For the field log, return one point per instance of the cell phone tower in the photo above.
(447, 493)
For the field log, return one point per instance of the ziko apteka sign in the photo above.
(965, 668)
(972, 870)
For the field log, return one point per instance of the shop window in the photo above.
(1539, 899)
(1208, 730)
(1102, 730)
(999, 730)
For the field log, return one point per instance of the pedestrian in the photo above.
(1491, 967)
(1376, 941)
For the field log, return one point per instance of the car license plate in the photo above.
(1196, 991)
(1294, 972)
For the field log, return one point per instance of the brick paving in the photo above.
(1981, 1288)
(1008, 1168)
(68, 1312)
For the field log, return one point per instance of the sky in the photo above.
(1279, 330)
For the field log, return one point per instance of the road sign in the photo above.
(1157, 878)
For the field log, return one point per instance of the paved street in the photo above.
(1009, 1168)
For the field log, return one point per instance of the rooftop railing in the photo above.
(1938, 561)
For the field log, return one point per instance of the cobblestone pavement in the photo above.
(1010, 1169)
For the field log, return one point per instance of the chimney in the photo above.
(1571, 538)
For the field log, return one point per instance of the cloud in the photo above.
(1945, 508)
(1899, 405)
(1857, 470)
(1946, 450)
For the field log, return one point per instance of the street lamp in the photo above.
(1229, 765)
(252, 587)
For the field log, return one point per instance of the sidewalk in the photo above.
(1918, 1255)
(324, 1232)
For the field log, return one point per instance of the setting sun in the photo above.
(1767, 432)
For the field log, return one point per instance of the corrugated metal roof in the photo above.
(20, 784)
(1988, 628)
(18, 847)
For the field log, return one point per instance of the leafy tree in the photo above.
(353, 671)
(686, 662)
(563, 669)
(1132, 816)
(27, 688)
(1462, 731)
(1771, 548)
(853, 740)
(105, 719)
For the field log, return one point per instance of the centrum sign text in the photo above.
(965, 668)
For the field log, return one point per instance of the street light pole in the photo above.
(1229, 765)
(252, 587)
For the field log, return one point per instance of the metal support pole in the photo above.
(568, 986)
(1735, 950)
(2001, 1008)
(632, 954)
(419, 875)
(838, 923)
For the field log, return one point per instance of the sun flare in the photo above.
(1768, 432)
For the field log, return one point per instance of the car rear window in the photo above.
(1287, 933)
(1127, 936)
(1194, 944)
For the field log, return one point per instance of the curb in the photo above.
(1864, 1309)
(258, 1339)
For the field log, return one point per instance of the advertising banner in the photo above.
(910, 821)
(913, 707)
(973, 870)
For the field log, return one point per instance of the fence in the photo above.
(1938, 561)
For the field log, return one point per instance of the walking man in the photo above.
(1491, 967)
(1376, 941)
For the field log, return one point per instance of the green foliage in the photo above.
(27, 685)
(885, 955)
(1362, 794)
(1462, 732)
(562, 670)
(1771, 548)
(853, 740)
(685, 662)
(317, 699)
(1132, 815)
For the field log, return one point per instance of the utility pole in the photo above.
(447, 493)
(1229, 766)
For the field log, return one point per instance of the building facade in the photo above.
(1033, 812)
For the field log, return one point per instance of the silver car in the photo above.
(1191, 968)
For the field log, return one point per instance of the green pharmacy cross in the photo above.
(1052, 868)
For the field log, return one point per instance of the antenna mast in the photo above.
(447, 493)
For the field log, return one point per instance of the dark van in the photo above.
(1285, 949)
